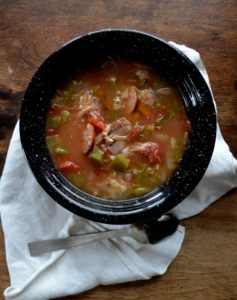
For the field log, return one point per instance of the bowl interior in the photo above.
(88, 50)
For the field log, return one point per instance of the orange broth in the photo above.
(117, 130)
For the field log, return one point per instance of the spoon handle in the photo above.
(151, 232)
(40, 247)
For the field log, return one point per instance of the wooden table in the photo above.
(206, 267)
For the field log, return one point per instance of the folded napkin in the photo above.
(28, 214)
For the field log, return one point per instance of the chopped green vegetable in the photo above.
(145, 132)
(58, 100)
(159, 83)
(57, 121)
(139, 191)
(113, 84)
(140, 167)
(55, 145)
(54, 122)
(52, 142)
(157, 104)
(147, 176)
(77, 179)
(163, 119)
(120, 162)
(65, 115)
(175, 107)
(72, 88)
(60, 150)
(179, 151)
(142, 178)
(97, 155)
(65, 97)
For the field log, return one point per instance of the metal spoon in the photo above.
(151, 232)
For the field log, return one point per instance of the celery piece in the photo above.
(54, 122)
(139, 191)
(163, 119)
(179, 149)
(159, 83)
(55, 145)
(65, 115)
(113, 84)
(60, 150)
(72, 88)
(57, 121)
(145, 132)
(120, 162)
(97, 155)
(52, 142)
(142, 178)
(176, 107)
(77, 179)
(140, 167)
(57, 100)
(157, 104)
(64, 97)
(61, 101)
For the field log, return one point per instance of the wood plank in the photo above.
(206, 267)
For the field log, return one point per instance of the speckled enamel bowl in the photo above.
(89, 49)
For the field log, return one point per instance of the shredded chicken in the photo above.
(117, 147)
(120, 127)
(118, 130)
(149, 149)
(85, 102)
(85, 111)
(147, 96)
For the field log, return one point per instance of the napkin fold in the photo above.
(28, 214)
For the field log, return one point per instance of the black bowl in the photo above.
(88, 50)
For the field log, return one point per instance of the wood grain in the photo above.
(206, 267)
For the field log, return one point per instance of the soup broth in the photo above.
(117, 130)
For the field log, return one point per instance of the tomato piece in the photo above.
(51, 132)
(68, 166)
(88, 138)
(96, 120)
(54, 109)
(136, 131)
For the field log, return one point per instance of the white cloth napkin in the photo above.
(28, 214)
